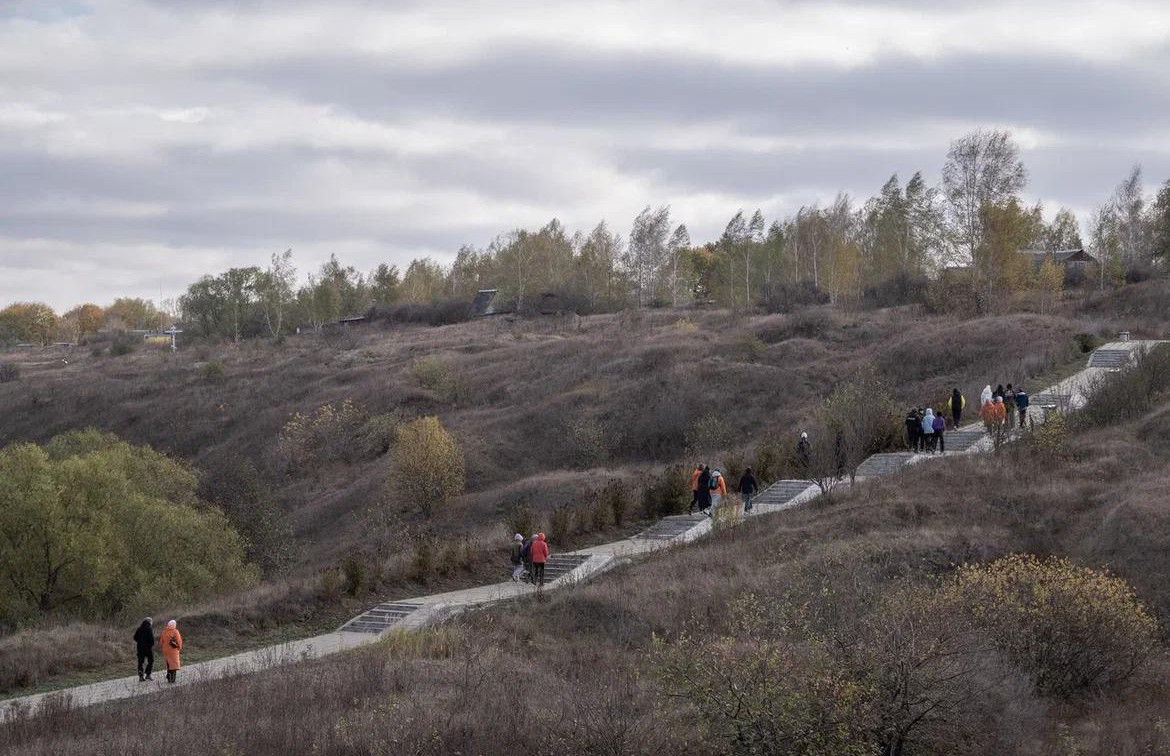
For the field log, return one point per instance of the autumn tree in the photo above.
(133, 313)
(998, 264)
(983, 169)
(423, 281)
(32, 322)
(426, 468)
(83, 321)
(275, 289)
(1049, 282)
(385, 285)
(1160, 219)
(1062, 233)
(647, 253)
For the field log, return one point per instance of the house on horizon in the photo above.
(1074, 261)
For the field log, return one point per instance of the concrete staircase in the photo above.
(884, 464)
(1111, 359)
(379, 619)
(669, 528)
(559, 565)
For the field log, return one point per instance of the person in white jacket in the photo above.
(928, 430)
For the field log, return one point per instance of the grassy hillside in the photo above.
(595, 669)
(547, 411)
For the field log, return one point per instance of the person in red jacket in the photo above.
(539, 552)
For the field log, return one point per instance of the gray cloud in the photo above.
(127, 176)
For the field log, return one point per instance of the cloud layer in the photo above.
(145, 143)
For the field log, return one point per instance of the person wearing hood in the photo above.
(940, 428)
(695, 475)
(913, 429)
(539, 557)
(747, 488)
(1022, 405)
(517, 557)
(526, 554)
(985, 397)
(956, 404)
(718, 487)
(928, 430)
(705, 490)
(144, 640)
(172, 647)
(803, 455)
(998, 391)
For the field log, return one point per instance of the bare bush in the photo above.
(9, 372)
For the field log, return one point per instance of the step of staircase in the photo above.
(1048, 400)
(781, 492)
(669, 528)
(559, 565)
(380, 618)
(883, 464)
(1109, 358)
(964, 438)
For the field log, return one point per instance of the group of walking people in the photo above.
(1004, 406)
(529, 555)
(926, 429)
(709, 488)
(171, 643)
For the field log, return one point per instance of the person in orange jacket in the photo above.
(539, 552)
(172, 646)
(698, 473)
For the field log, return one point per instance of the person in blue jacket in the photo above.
(1022, 405)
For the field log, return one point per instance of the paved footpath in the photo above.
(567, 568)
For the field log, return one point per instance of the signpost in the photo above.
(173, 331)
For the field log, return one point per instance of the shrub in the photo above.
(354, 571)
(616, 497)
(811, 324)
(707, 435)
(521, 519)
(378, 434)
(422, 560)
(787, 297)
(1087, 342)
(1050, 438)
(561, 524)
(434, 376)
(1073, 629)
(427, 468)
(123, 344)
(212, 372)
(589, 440)
(749, 348)
(684, 325)
(232, 483)
(9, 372)
(1128, 393)
(760, 696)
(667, 494)
(771, 462)
(600, 515)
(330, 433)
(900, 289)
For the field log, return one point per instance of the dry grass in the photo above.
(571, 672)
(524, 385)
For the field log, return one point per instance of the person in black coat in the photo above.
(747, 488)
(705, 490)
(144, 639)
(914, 429)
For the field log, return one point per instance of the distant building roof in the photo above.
(484, 303)
(1060, 255)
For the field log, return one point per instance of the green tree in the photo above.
(385, 285)
(426, 469)
(1160, 216)
(80, 524)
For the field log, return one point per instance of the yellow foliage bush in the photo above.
(1072, 628)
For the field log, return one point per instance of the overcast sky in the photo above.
(146, 142)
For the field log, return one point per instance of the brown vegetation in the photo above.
(829, 603)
